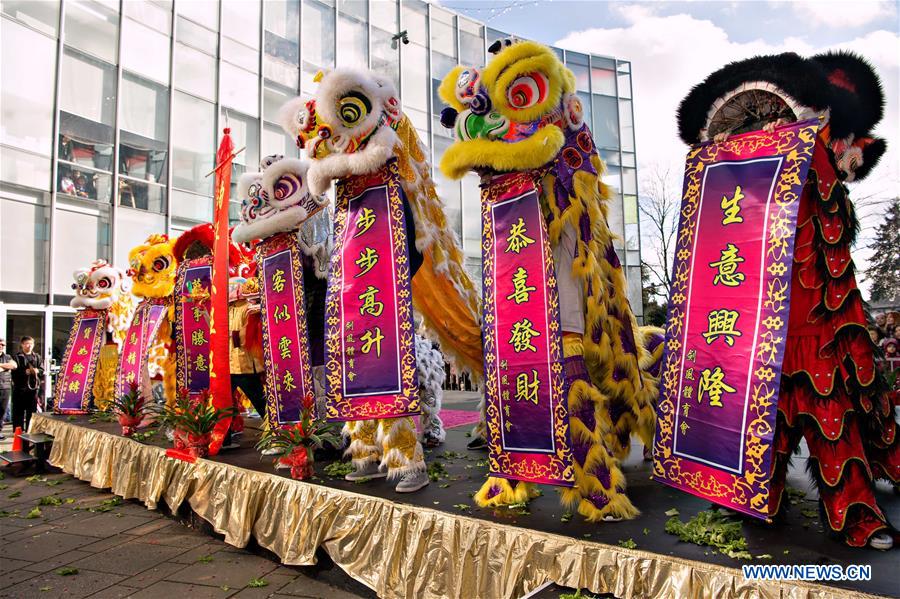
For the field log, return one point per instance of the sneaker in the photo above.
(881, 541)
(412, 481)
(477, 443)
(370, 470)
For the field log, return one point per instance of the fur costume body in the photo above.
(520, 113)
(831, 392)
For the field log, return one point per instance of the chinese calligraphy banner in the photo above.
(728, 314)
(527, 407)
(370, 336)
(192, 325)
(285, 337)
(75, 384)
(139, 340)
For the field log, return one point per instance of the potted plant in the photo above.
(297, 442)
(130, 409)
(194, 421)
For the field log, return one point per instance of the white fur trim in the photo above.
(378, 150)
(277, 170)
(262, 228)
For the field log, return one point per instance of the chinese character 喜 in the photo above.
(732, 207)
(712, 383)
(727, 265)
(721, 324)
(521, 289)
(517, 239)
(522, 333)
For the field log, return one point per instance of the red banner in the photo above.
(192, 330)
(74, 387)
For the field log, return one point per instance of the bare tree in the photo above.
(659, 203)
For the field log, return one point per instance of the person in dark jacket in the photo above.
(26, 380)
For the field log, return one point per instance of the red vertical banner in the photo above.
(220, 374)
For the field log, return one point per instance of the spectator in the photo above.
(879, 323)
(7, 365)
(26, 380)
(875, 335)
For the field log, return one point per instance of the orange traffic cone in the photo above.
(17, 439)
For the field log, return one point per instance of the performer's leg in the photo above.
(403, 456)
(18, 410)
(786, 440)
(252, 387)
(364, 449)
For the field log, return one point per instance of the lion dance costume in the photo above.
(520, 114)
(831, 393)
(354, 127)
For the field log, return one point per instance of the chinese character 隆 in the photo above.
(712, 383)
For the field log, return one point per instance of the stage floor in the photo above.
(787, 543)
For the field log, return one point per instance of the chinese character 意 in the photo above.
(198, 338)
(522, 333)
(78, 368)
(517, 239)
(364, 221)
(369, 338)
(131, 358)
(370, 305)
(287, 381)
(727, 266)
(732, 207)
(200, 363)
(367, 260)
(521, 289)
(278, 280)
(87, 332)
(527, 388)
(712, 383)
(281, 313)
(284, 346)
(721, 324)
(74, 386)
(82, 351)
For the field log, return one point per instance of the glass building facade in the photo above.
(111, 111)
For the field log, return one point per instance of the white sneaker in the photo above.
(881, 541)
(412, 481)
(371, 470)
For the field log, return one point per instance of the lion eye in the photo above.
(104, 283)
(353, 108)
(527, 90)
(161, 264)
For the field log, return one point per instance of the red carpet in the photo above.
(454, 418)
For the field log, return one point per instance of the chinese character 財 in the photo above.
(721, 324)
(281, 313)
(727, 265)
(198, 338)
(364, 221)
(712, 383)
(732, 207)
(278, 280)
(522, 333)
(78, 368)
(517, 239)
(527, 388)
(200, 363)
(284, 346)
(370, 338)
(370, 306)
(367, 260)
(521, 289)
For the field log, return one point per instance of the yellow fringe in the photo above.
(105, 376)
(508, 494)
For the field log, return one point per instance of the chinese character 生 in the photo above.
(732, 207)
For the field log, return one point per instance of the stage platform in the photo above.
(437, 543)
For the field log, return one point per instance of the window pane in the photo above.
(471, 43)
(191, 206)
(471, 214)
(385, 59)
(142, 196)
(384, 15)
(144, 132)
(193, 144)
(195, 72)
(92, 27)
(274, 97)
(415, 20)
(576, 58)
(606, 122)
(629, 181)
(194, 35)
(627, 125)
(150, 14)
(238, 54)
(239, 89)
(82, 236)
(205, 12)
(43, 16)
(24, 233)
(24, 168)
(83, 183)
(282, 72)
(628, 159)
(415, 76)
(283, 20)
(282, 43)
(582, 76)
(359, 9)
(631, 209)
(26, 88)
(146, 51)
(244, 132)
(318, 36)
(624, 85)
(604, 81)
(87, 102)
(275, 141)
(443, 34)
(133, 227)
(353, 42)
(240, 21)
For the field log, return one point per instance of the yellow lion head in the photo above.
(152, 267)
(511, 115)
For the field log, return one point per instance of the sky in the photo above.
(675, 45)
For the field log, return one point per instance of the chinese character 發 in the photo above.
(82, 351)
(78, 368)
(369, 338)
(522, 333)
(712, 383)
(732, 207)
(278, 280)
(281, 313)
(74, 386)
(721, 324)
(87, 332)
(517, 239)
(727, 265)
(287, 381)
(370, 306)
(200, 363)
(527, 388)
(367, 260)
(364, 221)
(521, 289)
(284, 346)
(131, 358)
(198, 338)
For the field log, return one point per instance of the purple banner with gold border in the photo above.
(192, 325)
(370, 336)
(285, 336)
(728, 315)
(74, 387)
(138, 341)
(527, 408)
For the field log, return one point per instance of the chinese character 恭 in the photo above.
(732, 207)
(367, 260)
(721, 324)
(200, 363)
(74, 386)
(712, 383)
(522, 333)
(517, 239)
(364, 221)
(527, 388)
(278, 280)
(87, 332)
(284, 346)
(370, 306)
(370, 338)
(281, 313)
(727, 265)
(78, 368)
(131, 358)
(521, 289)
(198, 338)
(287, 381)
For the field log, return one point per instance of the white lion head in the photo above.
(99, 286)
